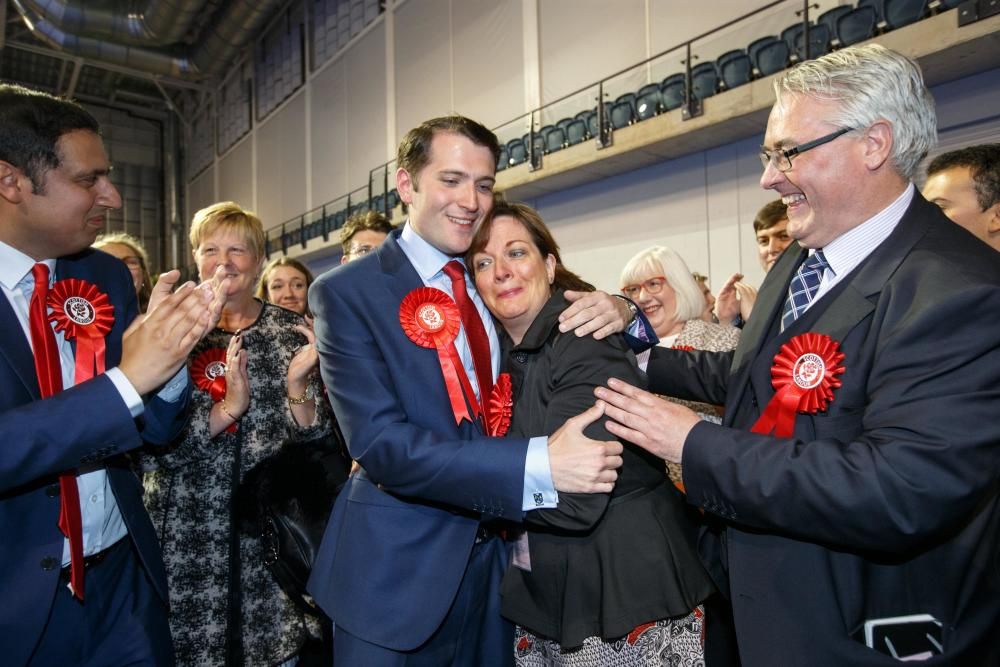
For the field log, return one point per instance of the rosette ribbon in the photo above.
(430, 318)
(208, 370)
(804, 374)
(84, 313)
(501, 407)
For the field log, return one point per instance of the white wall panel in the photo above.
(200, 193)
(328, 133)
(488, 60)
(423, 62)
(236, 174)
(281, 168)
(585, 40)
(366, 111)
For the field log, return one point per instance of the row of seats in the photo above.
(835, 28)
(302, 232)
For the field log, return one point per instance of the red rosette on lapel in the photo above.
(683, 348)
(208, 370)
(804, 374)
(430, 318)
(501, 407)
(83, 312)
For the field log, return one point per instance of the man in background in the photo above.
(966, 185)
(362, 233)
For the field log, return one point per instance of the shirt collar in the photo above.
(425, 258)
(14, 265)
(849, 249)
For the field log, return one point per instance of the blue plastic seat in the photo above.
(502, 160)
(877, 5)
(773, 58)
(829, 17)
(672, 91)
(576, 132)
(790, 35)
(903, 12)
(755, 46)
(736, 70)
(648, 105)
(517, 152)
(622, 114)
(856, 26)
(704, 80)
(555, 139)
(819, 42)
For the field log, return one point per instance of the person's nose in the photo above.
(772, 177)
(108, 195)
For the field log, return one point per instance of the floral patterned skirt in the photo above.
(673, 642)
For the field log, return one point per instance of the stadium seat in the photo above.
(736, 70)
(647, 105)
(903, 12)
(672, 91)
(576, 132)
(856, 26)
(704, 80)
(773, 58)
(622, 114)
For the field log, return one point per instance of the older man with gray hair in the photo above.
(856, 471)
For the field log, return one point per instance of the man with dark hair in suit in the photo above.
(411, 561)
(856, 469)
(966, 185)
(80, 568)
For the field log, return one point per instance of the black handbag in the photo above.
(285, 501)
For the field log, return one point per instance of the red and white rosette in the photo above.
(83, 312)
(804, 374)
(430, 319)
(501, 407)
(208, 370)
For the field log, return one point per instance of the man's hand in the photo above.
(156, 345)
(595, 313)
(735, 298)
(658, 426)
(579, 464)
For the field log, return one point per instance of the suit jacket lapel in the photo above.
(14, 347)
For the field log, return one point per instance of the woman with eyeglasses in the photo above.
(129, 249)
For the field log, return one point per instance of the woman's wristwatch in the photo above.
(299, 400)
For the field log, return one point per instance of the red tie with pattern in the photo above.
(48, 368)
(479, 342)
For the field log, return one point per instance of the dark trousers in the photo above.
(122, 621)
(473, 634)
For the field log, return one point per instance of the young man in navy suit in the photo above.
(66, 420)
(410, 565)
(856, 469)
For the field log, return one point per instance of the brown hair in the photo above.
(771, 214)
(368, 220)
(415, 149)
(540, 236)
(275, 263)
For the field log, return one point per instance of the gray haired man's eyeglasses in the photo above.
(782, 157)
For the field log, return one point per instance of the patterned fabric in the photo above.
(671, 642)
(710, 337)
(803, 288)
(188, 489)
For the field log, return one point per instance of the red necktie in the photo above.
(479, 342)
(48, 368)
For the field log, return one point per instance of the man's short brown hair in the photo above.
(366, 220)
(771, 214)
(415, 149)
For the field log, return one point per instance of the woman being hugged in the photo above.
(604, 577)
(255, 388)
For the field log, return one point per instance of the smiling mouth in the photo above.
(462, 222)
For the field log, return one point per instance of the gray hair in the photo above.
(661, 260)
(870, 83)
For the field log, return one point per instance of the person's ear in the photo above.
(550, 267)
(877, 144)
(12, 183)
(993, 222)
(405, 186)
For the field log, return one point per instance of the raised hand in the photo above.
(580, 464)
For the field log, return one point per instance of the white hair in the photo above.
(663, 261)
(870, 83)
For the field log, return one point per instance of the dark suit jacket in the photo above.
(86, 425)
(400, 534)
(887, 503)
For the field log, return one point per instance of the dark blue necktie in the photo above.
(803, 288)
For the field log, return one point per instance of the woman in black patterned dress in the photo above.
(255, 388)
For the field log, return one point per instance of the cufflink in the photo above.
(538, 498)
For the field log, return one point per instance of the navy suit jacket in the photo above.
(888, 503)
(401, 533)
(84, 426)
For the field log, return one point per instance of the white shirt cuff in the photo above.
(539, 491)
